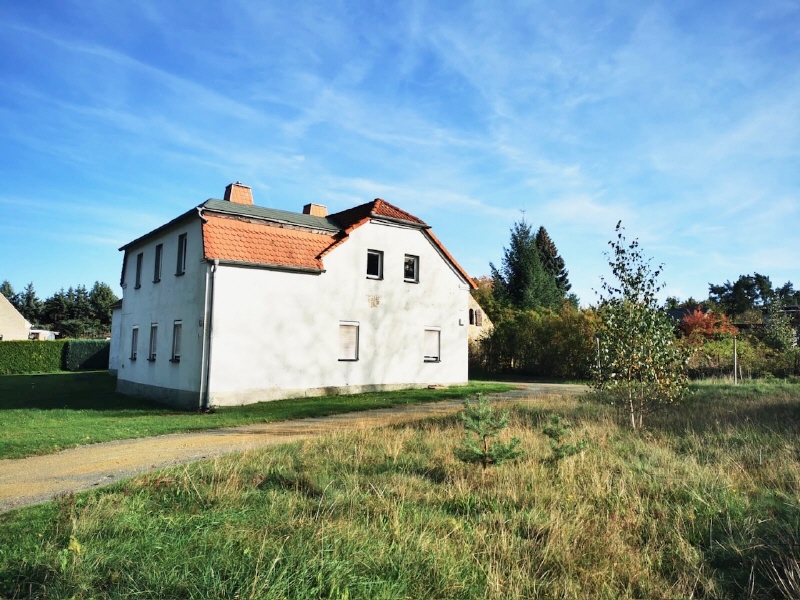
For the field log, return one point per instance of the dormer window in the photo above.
(374, 264)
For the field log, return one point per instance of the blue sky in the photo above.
(682, 119)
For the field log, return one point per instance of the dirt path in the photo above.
(36, 479)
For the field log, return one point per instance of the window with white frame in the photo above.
(151, 356)
(134, 342)
(157, 264)
(177, 328)
(180, 268)
(374, 264)
(432, 344)
(139, 259)
(348, 340)
(411, 268)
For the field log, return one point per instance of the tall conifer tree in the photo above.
(522, 281)
(552, 261)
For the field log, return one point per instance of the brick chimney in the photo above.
(238, 193)
(315, 210)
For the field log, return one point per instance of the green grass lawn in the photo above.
(703, 504)
(41, 414)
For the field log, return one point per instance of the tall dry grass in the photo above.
(704, 504)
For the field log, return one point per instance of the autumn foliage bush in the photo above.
(701, 325)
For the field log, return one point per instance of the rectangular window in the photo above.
(374, 264)
(157, 266)
(153, 339)
(411, 268)
(432, 345)
(181, 267)
(176, 341)
(348, 340)
(139, 259)
(134, 342)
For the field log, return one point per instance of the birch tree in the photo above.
(640, 364)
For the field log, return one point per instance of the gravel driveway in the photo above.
(37, 479)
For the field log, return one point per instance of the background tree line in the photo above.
(540, 330)
(76, 312)
(764, 319)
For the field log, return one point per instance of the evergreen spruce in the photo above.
(552, 261)
(522, 280)
(483, 425)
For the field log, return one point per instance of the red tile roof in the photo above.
(377, 208)
(228, 238)
(231, 239)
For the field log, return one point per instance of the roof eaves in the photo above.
(450, 258)
(379, 217)
(267, 266)
(272, 215)
(173, 222)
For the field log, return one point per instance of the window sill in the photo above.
(175, 360)
(132, 359)
(179, 274)
(375, 277)
(156, 280)
(411, 280)
(348, 360)
(136, 287)
(151, 360)
(433, 360)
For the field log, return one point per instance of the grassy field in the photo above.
(41, 414)
(704, 504)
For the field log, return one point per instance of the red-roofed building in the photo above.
(265, 304)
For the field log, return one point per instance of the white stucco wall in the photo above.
(116, 340)
(276, 334)
(175, 297)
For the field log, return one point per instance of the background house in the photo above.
(13, 325)
(232, 303)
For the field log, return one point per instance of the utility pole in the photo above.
(735, 363)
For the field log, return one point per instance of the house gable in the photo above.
(13, 325)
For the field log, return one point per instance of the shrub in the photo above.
(544, 343)
(557, 430)
(29, 356)
(86, 354)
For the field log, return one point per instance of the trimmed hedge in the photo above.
(34, 356)
(31, 356)
(86, 354)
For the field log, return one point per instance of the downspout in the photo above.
(208, 336)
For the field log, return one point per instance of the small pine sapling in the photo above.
(557, 429)
(483, 426)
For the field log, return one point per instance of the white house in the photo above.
(232, 303)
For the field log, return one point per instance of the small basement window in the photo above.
(348, 341)
(432, 345)
(374, 264)
(411, 269)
